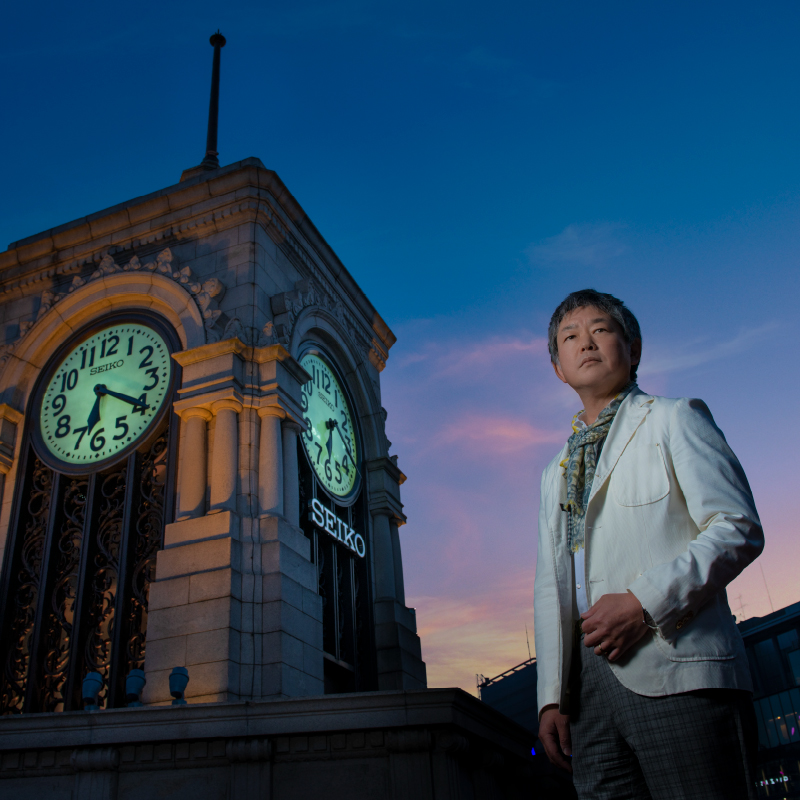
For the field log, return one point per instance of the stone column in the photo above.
(193, 464)
(384, 557)
(291, 485)
(397, 558)
(270, 462)
(225, 464)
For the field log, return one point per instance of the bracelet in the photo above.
(647, 619)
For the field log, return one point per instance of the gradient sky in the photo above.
(471, 164)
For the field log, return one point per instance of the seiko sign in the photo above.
(327, 521)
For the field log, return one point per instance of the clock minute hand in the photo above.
(101, 389)
(346, 445)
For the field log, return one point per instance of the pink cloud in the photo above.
(495, 435)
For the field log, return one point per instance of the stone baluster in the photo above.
(225, 464)
(193, 464)
(291, 486)
(270, 462)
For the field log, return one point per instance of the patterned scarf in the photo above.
(580, 465)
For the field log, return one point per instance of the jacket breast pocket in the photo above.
(640, 476)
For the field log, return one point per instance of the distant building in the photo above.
(513, 693)
(773, 650)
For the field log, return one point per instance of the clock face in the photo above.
(105, 394)
(330, 440)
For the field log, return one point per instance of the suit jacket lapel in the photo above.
(630, 416)
(557, 520)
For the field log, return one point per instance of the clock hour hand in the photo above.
(94, 415)
(330, 425)
(103, 389)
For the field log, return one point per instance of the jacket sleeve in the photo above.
(546, 612)
(721, 505)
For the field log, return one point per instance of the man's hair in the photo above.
(606, 303)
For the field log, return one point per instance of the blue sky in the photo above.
(471, 164)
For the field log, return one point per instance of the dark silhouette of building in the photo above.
(773, 650)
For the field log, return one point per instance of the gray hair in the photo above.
(606, 303)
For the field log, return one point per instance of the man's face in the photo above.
(593, 353)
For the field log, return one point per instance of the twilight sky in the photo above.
(471, 164)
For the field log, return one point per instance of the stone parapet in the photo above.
(436, 743)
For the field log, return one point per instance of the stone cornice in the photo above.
(211, 202)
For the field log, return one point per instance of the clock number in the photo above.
(97, 442)
(82, 432)
(142, 407)
(59, 403)
(121, 424)
(319, 447)
(336, 398)
(112, 351)
(69, 380)
(146, 362)
(345, 465)
(91, 360)
(303, 401)
(338, 472)
(344, 423)
(328, 473)
(83, 358)
(62, 428)
(308, 434)
(130, 346)
(153, 373)
(327, 384)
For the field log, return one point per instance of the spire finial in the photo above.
(211, 161)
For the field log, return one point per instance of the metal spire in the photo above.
(211, 161)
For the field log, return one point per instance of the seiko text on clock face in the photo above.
(330, 439)
(105, 393)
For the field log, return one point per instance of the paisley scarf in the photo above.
(580, 465)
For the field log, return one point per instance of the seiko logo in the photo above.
(332, 525)
(106, 367)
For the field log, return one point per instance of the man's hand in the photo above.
(613, 625)
(554, 734)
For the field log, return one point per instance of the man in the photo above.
(645, 517)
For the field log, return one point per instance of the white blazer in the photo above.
(670, 518)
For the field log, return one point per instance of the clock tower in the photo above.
(196, 469)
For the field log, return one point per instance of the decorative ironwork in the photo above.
(25, 592)
(104, 582)
(58, 625)
(147, 534)
(340, 605)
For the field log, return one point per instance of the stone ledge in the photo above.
(307, 715)
(211, 526)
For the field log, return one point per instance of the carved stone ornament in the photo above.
(206, 294)
(250, 336)
(286, 308)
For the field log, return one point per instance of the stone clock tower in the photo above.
(202, 586)
(197, 473)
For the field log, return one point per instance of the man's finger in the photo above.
(551, 747)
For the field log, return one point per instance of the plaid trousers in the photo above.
(626, 746)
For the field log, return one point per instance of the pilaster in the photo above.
(234, 598)
(399, 653)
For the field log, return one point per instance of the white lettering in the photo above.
(327, 521)
(330, 520)
(361, 547)
(348, 536)
(317, 513)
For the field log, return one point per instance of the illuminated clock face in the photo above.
(105, 394)
(330, 439)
